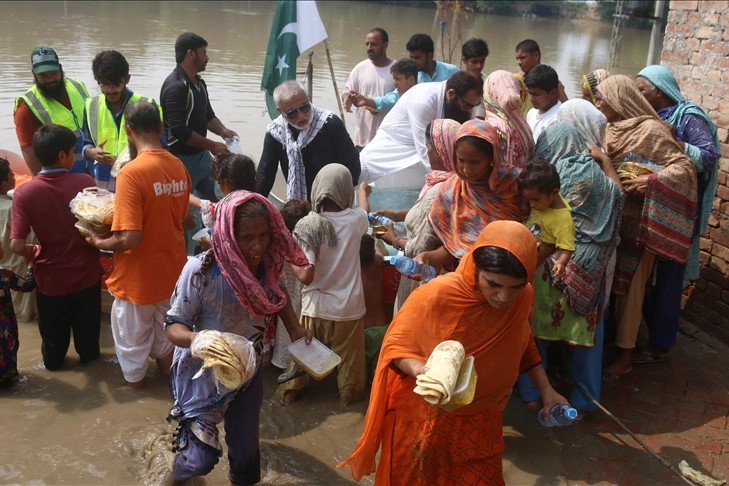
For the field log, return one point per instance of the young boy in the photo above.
(551, 218)
(404, 76)
(473, 55)
(67, 272)
(528, 55)
(542, 83)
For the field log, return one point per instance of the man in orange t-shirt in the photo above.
(148, 243)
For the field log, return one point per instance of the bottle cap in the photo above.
(393, 260)
(572, 413)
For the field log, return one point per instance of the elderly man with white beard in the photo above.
(303, 139)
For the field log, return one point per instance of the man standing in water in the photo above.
(53, 99)
(104, 135)
(149, 248)
(188, 116)
(302, 140)
(369, 78)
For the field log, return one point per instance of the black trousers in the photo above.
(59, 315)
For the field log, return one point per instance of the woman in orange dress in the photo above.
(485, 306)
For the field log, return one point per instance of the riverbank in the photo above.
(82, 425)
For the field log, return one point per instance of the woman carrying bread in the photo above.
(234, 288)
(484, 305)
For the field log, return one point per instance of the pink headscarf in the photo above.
(443, 134)
(502, 96)
(257, 299)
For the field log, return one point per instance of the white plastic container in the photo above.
(203, 233)
(465, 388)
(316, 359)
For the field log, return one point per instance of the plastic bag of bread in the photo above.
(123, 159)
(232, 358)
(94, 208)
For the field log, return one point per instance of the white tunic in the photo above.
(370, 81)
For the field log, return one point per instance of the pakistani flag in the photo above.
(296, 28)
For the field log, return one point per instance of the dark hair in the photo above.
(186, 42)
(237, 170)
(498, 260)
(407, 67)
(4, 170)
(483, 146)
(293, 211)
(382, 32)
(428, 135)
(420, 42)
(474, 47)
(528, 46)
(142, 117)
(366, 250)
(539, 175)
(110, 65)
(542, 77)
(462, 82)
(49, 141)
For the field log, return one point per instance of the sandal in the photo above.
(645, 356)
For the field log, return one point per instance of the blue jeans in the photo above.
(585, 368)
(203, 186)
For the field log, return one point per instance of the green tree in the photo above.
(498, 7)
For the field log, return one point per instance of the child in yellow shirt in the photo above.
(551, 218)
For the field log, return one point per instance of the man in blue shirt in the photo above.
(421, 49)
(404, 76)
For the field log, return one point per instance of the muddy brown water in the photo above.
(81, 425)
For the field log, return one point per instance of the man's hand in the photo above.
(189, 222)
(219, 148)
(99, 154)
(347, 99)
(228, 134)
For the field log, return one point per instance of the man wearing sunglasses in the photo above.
(302, 140)
(399, 146)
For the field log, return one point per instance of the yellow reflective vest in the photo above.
(49, 111)
(100, 121)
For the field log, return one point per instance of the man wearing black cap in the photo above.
(53, 99)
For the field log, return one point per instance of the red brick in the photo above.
(723, 192)
(703, 298)
(685, 4)
(713, 290)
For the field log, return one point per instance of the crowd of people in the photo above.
(548, 219)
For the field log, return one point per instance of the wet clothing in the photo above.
(9, 342)
(23, 302)
(423, 444)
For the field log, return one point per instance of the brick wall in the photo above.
(696, 49)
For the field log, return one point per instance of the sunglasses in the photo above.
(305, 108)
(467, 105)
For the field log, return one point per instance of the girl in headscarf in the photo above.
(440, 139)
(484, 190)
(332, 301)
(590, 82)
(697, 135)
(485, 306)
(571, 309)
(660, 209)
(502, 99)
(234, 288)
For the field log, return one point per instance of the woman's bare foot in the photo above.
(137, 385)
(622, 366)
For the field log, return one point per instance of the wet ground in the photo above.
(81, 425)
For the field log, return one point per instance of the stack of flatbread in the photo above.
(437, 384)
(230, 369)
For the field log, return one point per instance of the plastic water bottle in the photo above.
(561, 414)
(233, 145)
(633, 157)
(408, 266)
(399, 228)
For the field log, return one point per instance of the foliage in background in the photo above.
(449, 13)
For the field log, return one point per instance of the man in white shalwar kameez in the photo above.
(397, 157)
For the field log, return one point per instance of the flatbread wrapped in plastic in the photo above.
(123, 159)
(231, 357)
(437, 384)
(94, 208)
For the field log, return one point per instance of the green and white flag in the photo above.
(296, 28)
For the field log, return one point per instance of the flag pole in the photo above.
(334, 81)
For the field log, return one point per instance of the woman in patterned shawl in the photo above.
(502, 99)
(660, 209)
(697, 134)
(232, 288)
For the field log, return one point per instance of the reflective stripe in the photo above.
(79, 87)
(38, 107)
(94, 118)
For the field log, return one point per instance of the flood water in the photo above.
(82, 425)
(238, 32)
